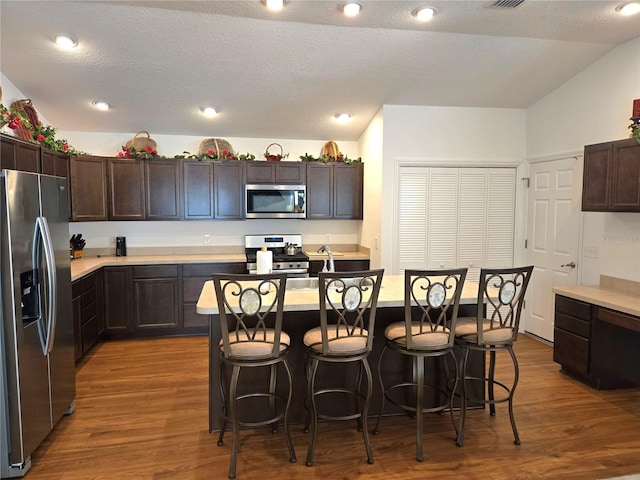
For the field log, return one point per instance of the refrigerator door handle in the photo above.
(38, 239)
(49, 256)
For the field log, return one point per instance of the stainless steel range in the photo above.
(292, 260)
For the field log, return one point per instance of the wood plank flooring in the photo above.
(142, 415)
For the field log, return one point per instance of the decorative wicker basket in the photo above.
(141, 143)
(216, 145)
(330, 149)
(25, 107)
(270, 156)
(23, 133)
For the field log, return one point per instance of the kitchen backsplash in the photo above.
(208, 237)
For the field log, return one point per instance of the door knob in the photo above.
(570, 264)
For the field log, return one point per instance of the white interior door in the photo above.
(553, 237)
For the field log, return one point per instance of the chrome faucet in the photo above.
(327, 249)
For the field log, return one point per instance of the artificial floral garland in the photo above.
(45, 135)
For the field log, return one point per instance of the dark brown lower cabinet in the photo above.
(117, 301)
(572, 337)
(596, 345)
(156, 299)
(193, 278)
(87, 312)
(315, 266)
(76, 303)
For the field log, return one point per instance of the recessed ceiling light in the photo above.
(66, 42)
(424, 14)
(351, 9)
(100, 105)
(627, 9)
(343, 117)
(274, 5)
(209, 111)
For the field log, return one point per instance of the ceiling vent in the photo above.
(505, 4)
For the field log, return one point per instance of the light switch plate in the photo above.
(591, 251)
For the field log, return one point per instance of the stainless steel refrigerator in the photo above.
(38, 367)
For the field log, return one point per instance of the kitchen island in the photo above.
(301, 309)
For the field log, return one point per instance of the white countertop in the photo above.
(603, 297)
(83, 266)
(391, 295)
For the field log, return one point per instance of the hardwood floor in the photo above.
(142, 414)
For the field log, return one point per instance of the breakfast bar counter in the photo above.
(301, 313)
(299, 300)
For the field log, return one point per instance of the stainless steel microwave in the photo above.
(275, 201)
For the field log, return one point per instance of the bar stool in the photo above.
(494, 329)
(347, 319)
(431, 300)
(246, 303)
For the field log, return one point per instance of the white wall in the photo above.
(11, 93)
(594, 107)
(443, 136)
(109, 144)
(371, 146)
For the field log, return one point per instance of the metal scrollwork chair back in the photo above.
(348, 302)
(251, 313)
(501, 295)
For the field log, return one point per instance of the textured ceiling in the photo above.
(285, 75)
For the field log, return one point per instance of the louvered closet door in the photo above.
(501, 201)
(472, 220)
(456, 217)
(441, 217)
(412, 217)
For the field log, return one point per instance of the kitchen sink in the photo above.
(294, 283)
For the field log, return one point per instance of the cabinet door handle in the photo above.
(570, 264)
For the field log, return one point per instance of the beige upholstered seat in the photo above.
(348, 303)
(495, 328)
(243, 346)
(251, 309)
(467, 328)
(339, 340)
(431, 300)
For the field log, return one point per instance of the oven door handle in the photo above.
(284, 270)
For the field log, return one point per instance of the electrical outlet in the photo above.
(206, 239)
(375, 243)
(327, 238)
(590, 251)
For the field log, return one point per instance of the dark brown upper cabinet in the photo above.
(19, 155)
(348, 188)
(162, 189)
(54, 163)
(197, 190)
(319, 191)
(126, 189)
(334, 191)
(290, 173)
(625, 178)
(228, 180)
(611, 179)
(88, 188)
